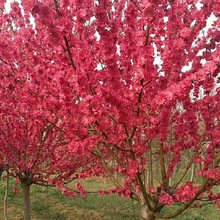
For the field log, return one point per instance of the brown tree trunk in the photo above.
(26, 199)
(145, 214)
(1, 172)
(5, 198)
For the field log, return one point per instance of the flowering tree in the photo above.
(33, 141)
(133, 82)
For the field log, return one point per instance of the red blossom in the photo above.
(186, 192)
(197, 160)
(133, 169)
(16, 191)
(166, 199)
(152, 190)
(213, 173)
(185, 32)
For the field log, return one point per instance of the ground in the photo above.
(50, 204)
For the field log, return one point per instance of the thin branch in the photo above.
(147, 34)
(69, 53)
(65, 38)
(5, 62)
(57, 7)
(112, 178)
(162, 166)
(141, 184)
(115, 156)
(126, 130)
(150, 166)
(135, 3)
(120, 148)
(187, 205)
(133, 133)
(183, 175)
(189, 165)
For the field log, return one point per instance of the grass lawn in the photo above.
(50, 204)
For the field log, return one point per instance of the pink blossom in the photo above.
(197, 160)
(213, 174)
(133, 168)
(186, 192)
(152, 190)
(16, 191)
(166, 199)
(185, 32)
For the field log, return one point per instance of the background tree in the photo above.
(136, 83)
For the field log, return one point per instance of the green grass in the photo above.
(50, 204)
(207, 212)
(112, 206)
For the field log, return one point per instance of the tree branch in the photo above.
(65, 38)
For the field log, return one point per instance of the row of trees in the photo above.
(85, 84)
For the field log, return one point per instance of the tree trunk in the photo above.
(1, 172)
(145, 214)
(5, 198)
(26, 199)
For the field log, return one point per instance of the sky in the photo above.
(7, 5)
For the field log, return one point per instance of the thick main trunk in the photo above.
(145, 214)
(26, 199)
